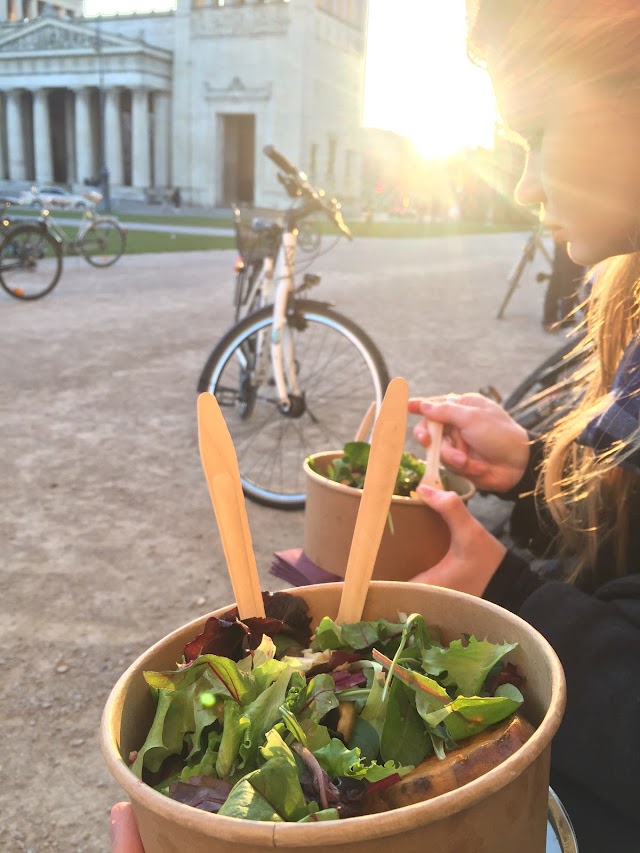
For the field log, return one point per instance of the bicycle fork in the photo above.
(290, 401)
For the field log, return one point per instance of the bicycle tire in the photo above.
(30, 262)
(550, 390)
(340, 371)
(103, 243)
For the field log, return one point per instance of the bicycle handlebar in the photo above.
(280, 160)
(297, 184)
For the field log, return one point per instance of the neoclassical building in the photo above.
(185, 98)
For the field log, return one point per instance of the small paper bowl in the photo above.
(503, 811)
(418, 539)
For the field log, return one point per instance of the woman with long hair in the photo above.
(566, 75)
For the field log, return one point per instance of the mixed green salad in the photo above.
(351, 468)
(262, 720)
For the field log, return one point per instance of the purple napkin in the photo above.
(294, 567)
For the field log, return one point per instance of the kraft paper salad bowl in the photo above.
(414, 539)
(503, 811)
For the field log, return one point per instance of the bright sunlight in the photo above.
(419, 82)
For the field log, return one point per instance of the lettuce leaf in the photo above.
(466, 665)
(357, 635)
(337, 760)
(271, 793)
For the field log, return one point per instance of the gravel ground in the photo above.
(109, 537)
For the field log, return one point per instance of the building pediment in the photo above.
(52, 35)
(236, 90)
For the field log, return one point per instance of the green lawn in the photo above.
(139, 242)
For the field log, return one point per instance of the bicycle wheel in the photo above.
(552, 389)
(340, 371)
(30, 262)
(103, 242)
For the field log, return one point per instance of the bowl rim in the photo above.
(395, 499)
(347, 830)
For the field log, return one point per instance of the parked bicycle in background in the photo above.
(31, 250)
(292, 376)
(30, 258)
(100, 240)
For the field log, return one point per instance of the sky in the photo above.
(419, 82)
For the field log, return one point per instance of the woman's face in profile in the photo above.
(583, 164)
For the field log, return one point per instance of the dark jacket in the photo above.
(596, 634)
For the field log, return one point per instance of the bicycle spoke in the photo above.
(30, 262)
(335, 373)
(103, 243)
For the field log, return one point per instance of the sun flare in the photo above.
(419, 81)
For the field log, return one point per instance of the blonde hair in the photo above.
(588, 494)
(599, 41)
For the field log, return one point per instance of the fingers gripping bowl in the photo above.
(502, 811)
(415, 537)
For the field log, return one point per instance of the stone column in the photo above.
(181, 118)
(84, 141)
(15, 137)
(140, 171)
(3, 135)
(161, 119)
(113, 136)
(70, 134)
(42, 137)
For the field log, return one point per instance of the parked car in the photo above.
(403, 210)
(59, 197)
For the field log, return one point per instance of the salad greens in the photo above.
(263, 721)
(350, 469)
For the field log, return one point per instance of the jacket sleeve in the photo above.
(530, 525)
(597, 638)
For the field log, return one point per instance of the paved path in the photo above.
(108, 536)
(179, 229)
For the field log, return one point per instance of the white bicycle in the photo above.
(292, 376)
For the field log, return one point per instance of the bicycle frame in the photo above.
(70, 243)
(281, 344)
(282, 359)
(280, 349)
